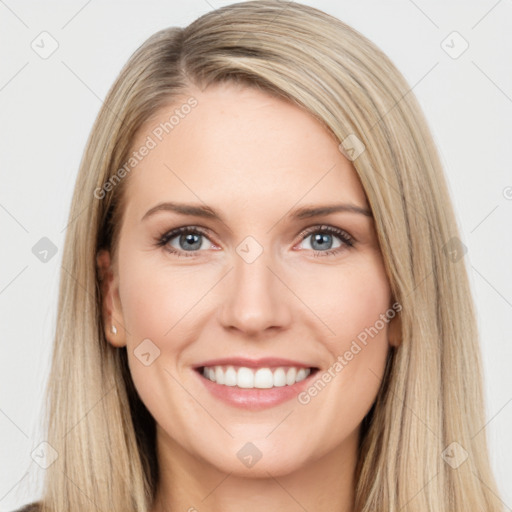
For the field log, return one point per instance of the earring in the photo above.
(113, 329)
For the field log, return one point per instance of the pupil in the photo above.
(189, 238)
(322, 239)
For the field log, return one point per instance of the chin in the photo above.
(254, 461)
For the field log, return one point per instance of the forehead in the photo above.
(242, 146)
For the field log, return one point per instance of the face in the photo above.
(249, 278)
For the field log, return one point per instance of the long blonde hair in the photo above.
(422, 446)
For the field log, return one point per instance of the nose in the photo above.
(256, 299)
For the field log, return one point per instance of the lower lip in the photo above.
(255, 398)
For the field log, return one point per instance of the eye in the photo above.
(322, 241)
(189, 239)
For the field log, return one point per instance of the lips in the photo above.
(264, 362)
(254, 384)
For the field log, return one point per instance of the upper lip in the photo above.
(263, 362)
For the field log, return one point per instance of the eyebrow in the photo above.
(304, 212)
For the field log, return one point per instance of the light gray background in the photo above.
(48, 107)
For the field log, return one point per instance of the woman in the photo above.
(210, 353)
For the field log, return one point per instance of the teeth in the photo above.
(291, 375)
(230, 377)
(262, 378)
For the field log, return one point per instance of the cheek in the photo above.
(155, 302)
(353, 298)
(358, 299)
(155, 299)
(354, 308)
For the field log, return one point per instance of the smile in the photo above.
(254, 388)
(261, 378)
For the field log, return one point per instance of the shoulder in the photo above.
(32, 507)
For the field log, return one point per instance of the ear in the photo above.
(113, 321)
(395, 330)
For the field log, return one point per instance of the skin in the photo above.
(253, 158)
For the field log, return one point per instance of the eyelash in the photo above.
(347, 240)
